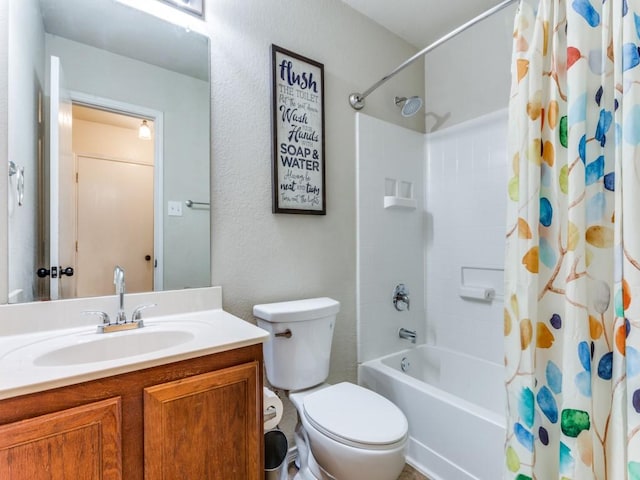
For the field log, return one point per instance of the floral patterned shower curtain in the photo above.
(572, 295)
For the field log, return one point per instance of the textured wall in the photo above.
(260, 257)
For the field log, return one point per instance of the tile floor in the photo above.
(409, 473)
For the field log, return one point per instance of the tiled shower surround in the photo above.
(465, 190)
(451, 237)
(454, 237)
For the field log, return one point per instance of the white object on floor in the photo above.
(272, 405)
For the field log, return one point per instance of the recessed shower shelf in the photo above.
(400, 202)
(399, 194)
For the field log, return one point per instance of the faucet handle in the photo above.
(401, 297)
(137, 312)
(104, 316)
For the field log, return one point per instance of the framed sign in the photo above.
(298, 178)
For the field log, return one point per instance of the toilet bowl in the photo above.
(349, 433)
(344, 432)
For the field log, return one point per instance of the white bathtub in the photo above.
(455, 406)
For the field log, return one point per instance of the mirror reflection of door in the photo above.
(137, 62)
(60, 170)
(115, 201)
(101, 197)
(114, 197)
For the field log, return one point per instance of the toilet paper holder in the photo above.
(270, 413)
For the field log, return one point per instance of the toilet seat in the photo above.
(355, 416)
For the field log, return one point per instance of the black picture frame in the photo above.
(297, 110)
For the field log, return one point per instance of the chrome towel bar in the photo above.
(191, 203)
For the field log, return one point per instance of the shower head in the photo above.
(409, 106)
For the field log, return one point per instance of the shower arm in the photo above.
(357, 99)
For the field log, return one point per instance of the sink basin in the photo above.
(111, 347)
(46, 359)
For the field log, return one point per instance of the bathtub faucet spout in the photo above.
(407, 334)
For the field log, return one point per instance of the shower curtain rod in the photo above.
(357, 99)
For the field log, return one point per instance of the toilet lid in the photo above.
(352, 414)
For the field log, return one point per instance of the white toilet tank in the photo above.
(298, 351)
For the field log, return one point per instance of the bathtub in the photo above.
(455, 405)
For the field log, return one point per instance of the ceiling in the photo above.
(421, 22)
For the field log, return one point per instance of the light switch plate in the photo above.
(174, 209)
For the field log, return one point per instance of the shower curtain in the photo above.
(572, 301)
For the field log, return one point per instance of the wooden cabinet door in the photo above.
(205, 427)
(78, 443)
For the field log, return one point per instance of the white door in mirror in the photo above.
(117, 222)
(61, 228)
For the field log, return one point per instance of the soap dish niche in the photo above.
(399, 194)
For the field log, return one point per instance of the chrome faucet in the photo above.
(118, 281)
(121, 317)
(401, 297)
(407, 334)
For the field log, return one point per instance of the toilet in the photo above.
(344, 432)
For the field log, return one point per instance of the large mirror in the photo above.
(109, 150)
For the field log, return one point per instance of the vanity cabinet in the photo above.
(80, 442)
(195, 419)
(203, 425)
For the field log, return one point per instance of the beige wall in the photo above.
(469, 76)
(258, 256)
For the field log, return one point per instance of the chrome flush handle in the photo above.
(286, 334)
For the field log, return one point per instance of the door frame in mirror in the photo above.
(158, 176)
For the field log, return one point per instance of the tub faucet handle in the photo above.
(401, 297)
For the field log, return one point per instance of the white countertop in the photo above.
(24, 367)
(213, 331)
